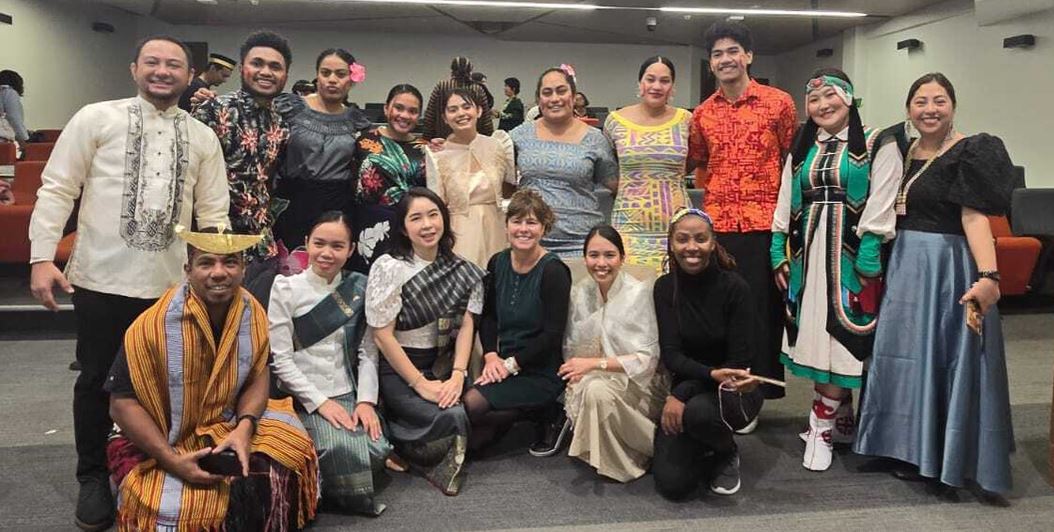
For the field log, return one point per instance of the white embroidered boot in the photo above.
(844, 422)
(804, 434)
(818, 449)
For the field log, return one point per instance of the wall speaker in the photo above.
(5, 19)
(102, 27)
(1020, 41)
(909, 44)
(825, 52)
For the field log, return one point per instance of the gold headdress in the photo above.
(219, 242)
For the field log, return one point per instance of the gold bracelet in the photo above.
(462, 371)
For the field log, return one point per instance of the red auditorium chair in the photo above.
(38, 151)
(48, 135)
(1016, 256)
(8, 155)
(14, 219)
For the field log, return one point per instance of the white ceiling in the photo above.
(772, 34)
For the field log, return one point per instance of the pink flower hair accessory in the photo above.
(357, 72)
(569, 70)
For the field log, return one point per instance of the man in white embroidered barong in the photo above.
(139, 166)
(615, 393)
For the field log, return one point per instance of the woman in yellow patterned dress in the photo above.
(651, 140)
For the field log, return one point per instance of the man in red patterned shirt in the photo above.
(740, 137)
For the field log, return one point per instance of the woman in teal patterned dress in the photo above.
(651, 141)
(390, 161)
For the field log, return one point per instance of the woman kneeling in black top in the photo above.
(703, 308)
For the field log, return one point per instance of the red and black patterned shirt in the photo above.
(740, 148)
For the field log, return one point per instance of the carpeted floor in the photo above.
(507, 489)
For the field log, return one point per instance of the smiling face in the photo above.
(603, 260)
(402, 113)
(692, 244)
(161, 71)
(729, 61)
(826, 107)
(656, 85)
(333, 79)
(931, 109)
(556, 97)
(424, 226)
(524, 232)
(461, 114)
(328, 248)
(264, 72)
(215, 278)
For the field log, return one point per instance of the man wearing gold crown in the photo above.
(189, 387)
(139, 166)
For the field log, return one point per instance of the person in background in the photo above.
(140, 166)
(469, 174)
(481, 80)
(304, 87)
(433, 126)
(217, 73)
(835, 204)
(937, 397)
(254, 136)
(651, 141)
(317, 170)
(705, 317)
(422, 301)
(582, 106)
(740, 138)
(12, 115)
(324, 359)
(511, 114)
(564, 160)
(611, 353)
(390, 162)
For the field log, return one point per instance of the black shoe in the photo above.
(726, 475)
(75, 365)
(554, 437)
(94, 505)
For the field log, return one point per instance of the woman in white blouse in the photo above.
(614, 393)
(317, 330)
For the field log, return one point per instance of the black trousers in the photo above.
(751, 251)
(679, 464)
(102, 320)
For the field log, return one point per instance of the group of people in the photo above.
(276, 302)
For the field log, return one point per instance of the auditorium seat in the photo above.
(8, 155)
(1016, 256)
(38, 151)
(48, 135)
(14, 219)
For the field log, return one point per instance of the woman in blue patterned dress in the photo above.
(565, 160)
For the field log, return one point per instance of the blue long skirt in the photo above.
(936, 394)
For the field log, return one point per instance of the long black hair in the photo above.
(13, 80)
(932, 77)
(333, 216)
(402, 248)
(807, 134)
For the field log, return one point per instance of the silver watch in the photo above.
(511, 366)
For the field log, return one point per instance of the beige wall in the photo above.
(1002, 92)
(63, 62)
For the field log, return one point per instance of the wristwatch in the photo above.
(511, 366)
(989, 274)
(603, 364)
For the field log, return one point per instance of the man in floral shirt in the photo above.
(254, 136)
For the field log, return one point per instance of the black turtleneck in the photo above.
(706, 321)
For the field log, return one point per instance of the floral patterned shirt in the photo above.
(253, 138)
(387, 169)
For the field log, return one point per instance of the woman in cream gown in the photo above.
(615, 388)
(468, 173)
